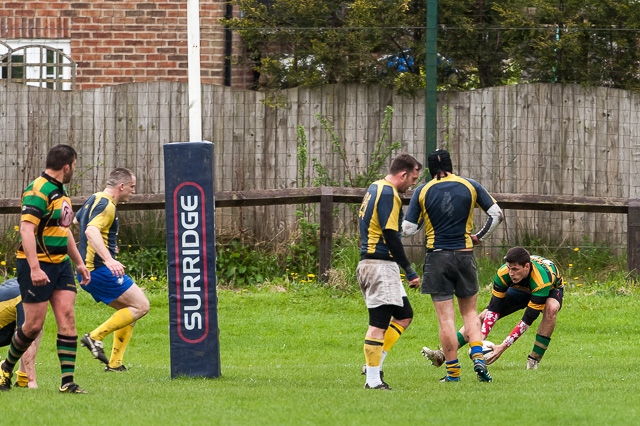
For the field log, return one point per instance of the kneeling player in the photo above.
(527, 282)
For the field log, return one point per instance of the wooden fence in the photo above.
(539, 139)
(328, 197)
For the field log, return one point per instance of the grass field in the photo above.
(292, 358)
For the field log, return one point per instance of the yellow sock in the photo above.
(392, 335)
(22, 381)
(120, 319)
(373, 351)
(476, 350)
(120, 342)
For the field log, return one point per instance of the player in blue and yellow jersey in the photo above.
(11, 316)
(445, 207)
(378, 274)
(527, 282)
(98, 221)
(43, 267)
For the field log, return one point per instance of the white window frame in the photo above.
(38, 71)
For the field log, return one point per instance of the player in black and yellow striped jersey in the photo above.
(109, 284)
(11, 316)
(445, 207)
(44, 268)
(378, 273)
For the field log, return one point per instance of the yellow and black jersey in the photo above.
(99, 211)
(381, 209)
(45, 204)
(10, 304)
(446, 208)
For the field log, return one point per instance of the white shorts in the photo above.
(380, 282)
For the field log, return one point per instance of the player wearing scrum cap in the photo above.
(445, 207)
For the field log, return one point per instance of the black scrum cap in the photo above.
(439, 161)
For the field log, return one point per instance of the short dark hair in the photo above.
(404, 163)
(60, 156)
(517, 255)
(119, 175)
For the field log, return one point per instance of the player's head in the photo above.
(62, 157)
(123, 182)
(519, 263)
(439, 161)
(406, 169)
(518, 255)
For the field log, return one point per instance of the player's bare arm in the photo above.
(27, 233)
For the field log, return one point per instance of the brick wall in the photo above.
(123, 41)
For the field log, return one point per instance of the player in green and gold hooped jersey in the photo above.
(44, 269)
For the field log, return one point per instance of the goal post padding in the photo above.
(190, 216)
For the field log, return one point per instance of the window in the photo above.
(41, 63)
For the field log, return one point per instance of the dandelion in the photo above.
(153, 278)
(575, 278)
(14, 269)
(16, 228)
(589, 269)
(577, 249)
(578, 285)
(571, 265)
(311, 277)
(402, 275)
(3, 263)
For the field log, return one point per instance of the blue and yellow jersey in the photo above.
(543, 278)
(381, 209)
(10, 304)
(45, 204)
(99, 211)
(446, 207)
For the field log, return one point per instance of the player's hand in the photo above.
(493, 356)
(414, 283)
(475, 240)
(85, 274)
(39, 277)
(116, 268)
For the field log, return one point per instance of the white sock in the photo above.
(384, 355)
(373, 376)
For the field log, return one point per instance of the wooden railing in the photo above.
(327, 196)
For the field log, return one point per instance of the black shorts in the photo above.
(516, 300)
(60, 278)
(446, 273)
(381, 316)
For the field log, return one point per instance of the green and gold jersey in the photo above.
(543, 278)
(45, 203)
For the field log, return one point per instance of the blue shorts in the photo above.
(106, 287)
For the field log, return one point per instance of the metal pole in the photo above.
(195, 94)
(431, 71)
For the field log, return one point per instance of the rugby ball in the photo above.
(487, 348)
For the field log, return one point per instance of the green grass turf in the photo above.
(292, 358)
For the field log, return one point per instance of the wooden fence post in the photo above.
(326, 231)
(633, 237)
